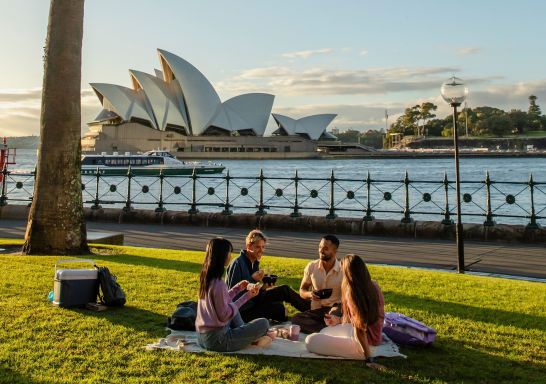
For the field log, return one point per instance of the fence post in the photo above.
(261, 211)
(489, 214)
(407, 218)
(4, 197)
(96, 202)
(193, 209)
(160, 203)
(296, 212)
(447, 218)
(533, 223)
(127, 207)
(332, 210)
(368, 216)
(226, 210)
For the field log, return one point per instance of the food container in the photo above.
(75, 287)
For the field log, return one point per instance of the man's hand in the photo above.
(242, 284)
(314, 297)
(258, 275)
(331, 320)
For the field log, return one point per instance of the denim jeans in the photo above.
(234, 336)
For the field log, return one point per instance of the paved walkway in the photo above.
(495, 258)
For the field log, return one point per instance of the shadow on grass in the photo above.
(176, 265)
(449, 362)
(140, 320)
(7, 375)
(493, 316)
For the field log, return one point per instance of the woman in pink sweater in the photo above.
(219, 325)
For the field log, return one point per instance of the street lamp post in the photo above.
(454, 92)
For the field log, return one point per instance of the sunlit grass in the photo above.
(489, 329)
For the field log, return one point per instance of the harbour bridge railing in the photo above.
(368, 197)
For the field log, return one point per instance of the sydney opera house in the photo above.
(178, 109)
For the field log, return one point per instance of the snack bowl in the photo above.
(323, 293)
(269, 279)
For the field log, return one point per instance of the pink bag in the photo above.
(404, 330)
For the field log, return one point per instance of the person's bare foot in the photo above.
(263, 341)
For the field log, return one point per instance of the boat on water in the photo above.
(150, 163)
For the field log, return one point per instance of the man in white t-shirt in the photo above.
(320, 274)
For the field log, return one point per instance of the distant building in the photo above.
(177, 109)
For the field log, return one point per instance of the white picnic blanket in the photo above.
(186, 341)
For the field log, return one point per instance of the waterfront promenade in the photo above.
(481, 257)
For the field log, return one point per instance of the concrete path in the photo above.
(496, 258)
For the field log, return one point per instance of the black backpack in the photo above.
(112, 294)
(183, 318)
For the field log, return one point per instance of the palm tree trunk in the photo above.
(56, 224)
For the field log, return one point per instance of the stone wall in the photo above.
(394, 228)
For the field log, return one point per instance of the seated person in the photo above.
(320, 274)
(219, 325)
(269, 302)
(361, 326)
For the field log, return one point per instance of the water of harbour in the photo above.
(500, 169)
(387, 175)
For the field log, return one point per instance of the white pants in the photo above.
(338, 340)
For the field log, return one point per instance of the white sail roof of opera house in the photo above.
(124, 102)
(179, 97)
(162, 99)
(313, 126)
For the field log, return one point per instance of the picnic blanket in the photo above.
(186, 341)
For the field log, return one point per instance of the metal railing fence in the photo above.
(487, 201)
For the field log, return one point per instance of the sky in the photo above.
(355, 58)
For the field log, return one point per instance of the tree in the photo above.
(56, 224)
(534, 109)
(349, 136)
(425, 112)
(435, 127)
(497, 125)
(535, 121)
(407, 123)
(519, 120)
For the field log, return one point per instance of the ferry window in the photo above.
(224, 149)
(273, 149)
(232, 149)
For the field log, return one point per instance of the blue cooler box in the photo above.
(75, 287)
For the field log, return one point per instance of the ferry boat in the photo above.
(148, 164)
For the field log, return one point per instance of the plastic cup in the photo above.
(294, 332)
(272, 333)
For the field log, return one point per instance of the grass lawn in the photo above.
(489, 329)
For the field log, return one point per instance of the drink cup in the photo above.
(272, 333)
(294, 332)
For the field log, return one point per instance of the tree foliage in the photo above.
(480, 121)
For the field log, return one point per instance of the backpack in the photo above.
(112, 294)
(404, 330)
(183, 318)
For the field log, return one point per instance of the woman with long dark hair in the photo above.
(361, 325)
(219, 325)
